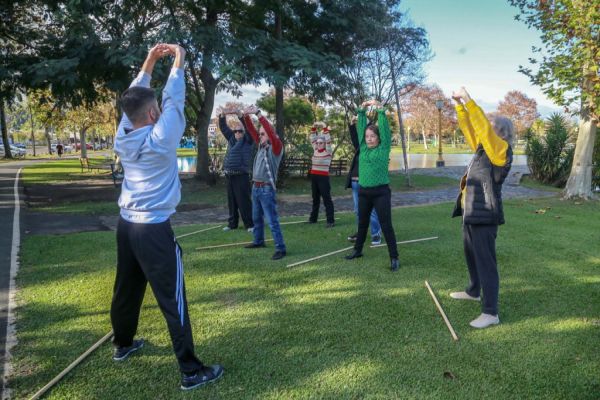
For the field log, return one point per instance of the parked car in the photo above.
(15, 151)
(87, 146)
(20, 145)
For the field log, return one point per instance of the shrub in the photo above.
(550, 156)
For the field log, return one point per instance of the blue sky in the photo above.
(476, 44)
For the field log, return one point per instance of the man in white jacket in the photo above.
(147, 251)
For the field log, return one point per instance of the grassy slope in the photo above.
(331, 329)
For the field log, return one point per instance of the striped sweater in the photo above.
(321, 159)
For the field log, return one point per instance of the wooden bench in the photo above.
(94, 164)
(300, 166)
(117, 173)
(338, 167)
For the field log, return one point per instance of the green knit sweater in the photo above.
(373, 163)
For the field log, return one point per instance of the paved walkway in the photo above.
(301, 205)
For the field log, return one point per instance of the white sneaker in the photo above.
(485, 320)
(464, 296)
(251, 230)
(226, 229)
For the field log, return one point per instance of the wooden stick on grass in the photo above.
(201, 230)
(318, 257)
(439, 307)
(227, 245)
(406, 241)
(75, 363)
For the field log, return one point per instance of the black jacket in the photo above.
(238, 158)
(353, 172)
(483, 180)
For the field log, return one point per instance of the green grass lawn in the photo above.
(331, 329)
(60, 171)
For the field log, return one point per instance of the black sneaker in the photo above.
(395, 264)
(355, 254)
(255, 245)
(352, 238)
(121, 353)
(278, 255)
(202, 377)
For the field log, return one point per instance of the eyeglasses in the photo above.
(320, 143)
(238, 131)
(262, 134)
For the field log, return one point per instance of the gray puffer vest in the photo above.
(483, 202)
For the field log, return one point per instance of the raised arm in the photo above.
(361, 125)
(313, 137)
(276, 144)
(327, 138)
(465, 126)
(353, 135)
(224, 128)
(494, 146)
(250, 128)
(143, 78)
(385, 135)
(170, 126)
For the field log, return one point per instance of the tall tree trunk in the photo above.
(209, 83)
(399, 115)
(424, 138)
(48, 138)
(32, 129)
(579, 183)
(7, 153)
(82, 142)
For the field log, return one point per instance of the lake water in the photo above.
(188, 164)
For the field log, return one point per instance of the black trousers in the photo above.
(480, 253)
(321, 187)
(380, 198)
(150, 253)
(238, 197)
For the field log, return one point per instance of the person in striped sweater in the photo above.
(319, 174)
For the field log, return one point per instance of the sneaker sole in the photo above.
(216, 378)
(483, 327)
(130, 352)
(468, 299)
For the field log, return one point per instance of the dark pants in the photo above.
(150, 253)
(480, 254)
(380, 199)
(321, 187)
(238, 197)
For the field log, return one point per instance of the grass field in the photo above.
(331, 329)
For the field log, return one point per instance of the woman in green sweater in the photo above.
(373, 180)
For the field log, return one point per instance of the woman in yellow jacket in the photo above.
(479, 202)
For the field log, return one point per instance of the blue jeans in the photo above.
(264, 204)
(375, 226)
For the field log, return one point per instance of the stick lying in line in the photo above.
(406, 241)
(439, 307)
(227, 245)
(351, 247)
(298, 222)
(79, 359)
(201, 230)
(317, 257)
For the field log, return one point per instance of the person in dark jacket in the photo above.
(479, 202)
(352, 183)
(237, 165)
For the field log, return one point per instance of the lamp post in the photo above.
(440, 161)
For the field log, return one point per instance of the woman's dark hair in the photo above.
(375, 129)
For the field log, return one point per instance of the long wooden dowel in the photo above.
(317, 257)
(439, 307)
(406, 241)
(227, 245)
(298, 222)
(79, 359)
(201, 230)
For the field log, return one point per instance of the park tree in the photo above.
(419, 107)
(567, 70)
(521, 109)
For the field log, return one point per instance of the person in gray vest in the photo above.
(237, 171)
(479, 202)
(264, 177)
